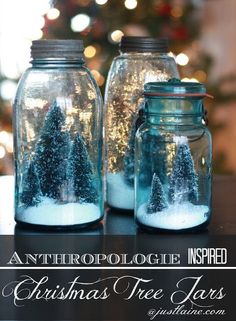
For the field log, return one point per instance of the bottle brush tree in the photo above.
(157, 201)
(80, 172)
(51, 153)
(31, 193)
(184, 180)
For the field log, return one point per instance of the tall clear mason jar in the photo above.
(141, 60)
(58, 139)
(173, 159)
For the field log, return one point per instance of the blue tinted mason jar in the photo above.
(173, 159)
(141, 60)
(58, 139)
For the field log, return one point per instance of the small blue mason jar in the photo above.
(58, 139)
(173, 160)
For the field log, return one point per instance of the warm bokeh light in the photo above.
(36, 34)
(101, 2)
(186, 79)
(171, 54)
(2, 152)
(177, 12)
(98, 77)
(53, 14)
(6, 139)
(80, 22)
(90, 52)
(200, 75)
(131, 4)
(4, 136)
(116, 35)
(182, 59)
(20, 23)
(8, 89)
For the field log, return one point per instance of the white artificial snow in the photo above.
(49, 213)
(180, 140)
(175, 217)
(119, 194)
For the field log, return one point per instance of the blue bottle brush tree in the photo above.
(183, 180)
(80, 172)
(157, 201)
(31, 193)
(51, 153)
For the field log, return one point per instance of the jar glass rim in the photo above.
(174, 88)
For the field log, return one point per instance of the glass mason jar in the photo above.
(141, 60)
(58, 139)
(173, 159)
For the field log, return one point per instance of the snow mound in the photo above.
(119, 194)
(49, 213)
(175, 217)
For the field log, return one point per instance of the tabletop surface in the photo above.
(120, 223)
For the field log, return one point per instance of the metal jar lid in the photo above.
(58, 49)
(144, 44)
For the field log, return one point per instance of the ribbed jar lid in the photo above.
(59, 49)
(174, 88)
(144, 44)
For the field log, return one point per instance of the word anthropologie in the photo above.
(95, 259)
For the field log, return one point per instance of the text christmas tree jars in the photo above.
(58, 139)
(141, 60)
(173, 159)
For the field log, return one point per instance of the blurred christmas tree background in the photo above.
(101, 24)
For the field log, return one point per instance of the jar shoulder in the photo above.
(147, 129)
(50, 82)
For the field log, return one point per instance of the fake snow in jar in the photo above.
(174, 156)
(58, 134)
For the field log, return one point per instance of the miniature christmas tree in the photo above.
(183, 181)
(129, 154)
(51, 153)
(31, 193)
(157, 200)
(81, 173)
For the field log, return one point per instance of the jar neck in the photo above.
(175, 120)
(174, 112)
(57, 62)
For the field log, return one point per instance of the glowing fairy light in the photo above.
(182, 59)
(80, 22)
(8, 89)
(186, 79)
(101, 2)
(4, 136)
(90, 52)
(53, 14)
(117, 35)
(131, 4)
